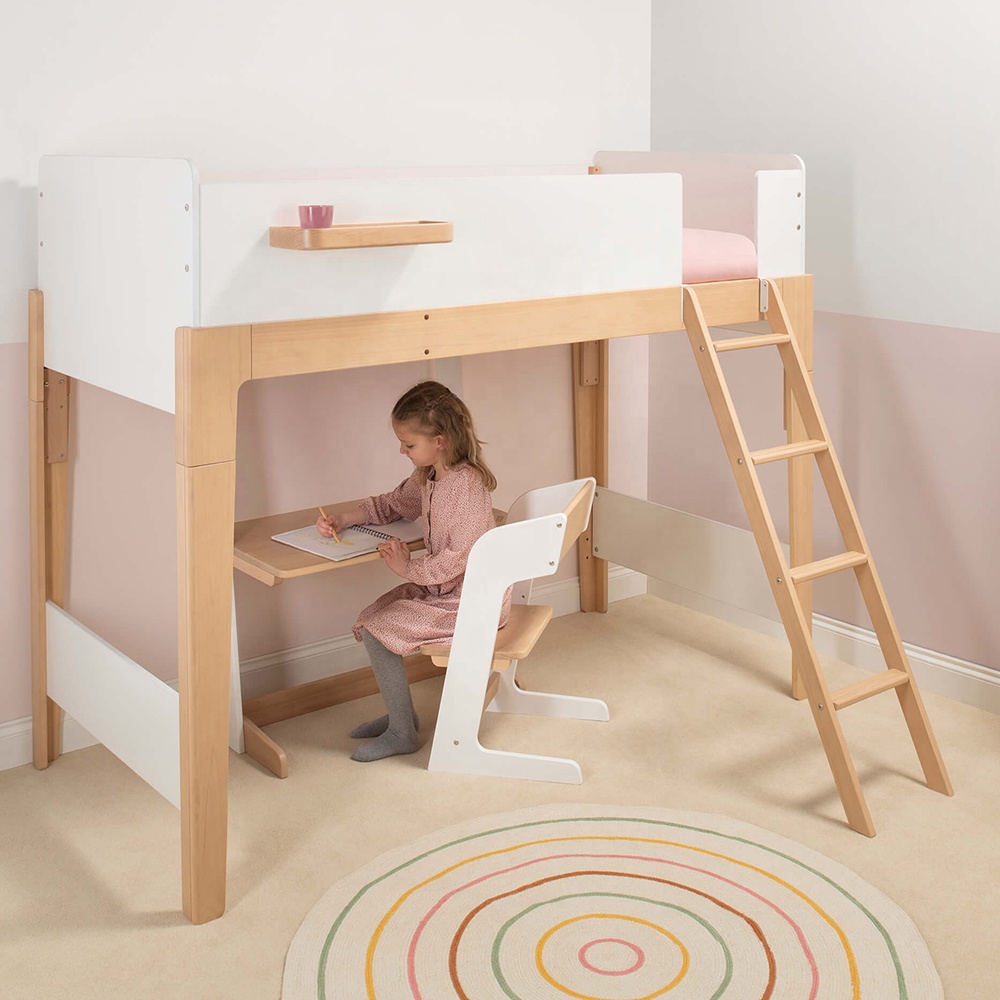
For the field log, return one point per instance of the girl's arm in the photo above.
(403, 502)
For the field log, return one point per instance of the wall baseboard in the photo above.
(939, 673)
(946, 675)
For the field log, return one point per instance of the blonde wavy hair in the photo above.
(432, 408)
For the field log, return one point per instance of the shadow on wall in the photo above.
(18, 258)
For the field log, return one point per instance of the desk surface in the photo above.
(257, 554)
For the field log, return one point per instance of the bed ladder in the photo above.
(785, 580)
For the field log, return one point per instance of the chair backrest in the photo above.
(574, 499)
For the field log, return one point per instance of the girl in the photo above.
(450, 489)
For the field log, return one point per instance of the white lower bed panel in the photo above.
(134, 714)
(712, 559)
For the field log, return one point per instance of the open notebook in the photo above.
(354, 541)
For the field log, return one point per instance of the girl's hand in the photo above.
(396, 555)
(333, 522)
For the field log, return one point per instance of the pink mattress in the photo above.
(715, 256)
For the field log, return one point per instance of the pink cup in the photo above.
(315, 216)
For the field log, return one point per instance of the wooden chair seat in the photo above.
(514, 641)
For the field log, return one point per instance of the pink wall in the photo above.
(915, 416)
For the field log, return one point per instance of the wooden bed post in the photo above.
(48, 431)
(797, 293)
(211, 364)
(590, 410)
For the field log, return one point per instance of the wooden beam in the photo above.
(211, 364)
(47, 535)
(590, 410)
(205, 498)
(289, 703)
(797, 296)
(299, 346)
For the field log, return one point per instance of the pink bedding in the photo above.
(715, 256)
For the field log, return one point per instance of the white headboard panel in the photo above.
(118, 266)
(520, 237)
(759, 195)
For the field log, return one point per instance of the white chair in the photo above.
(540, 528)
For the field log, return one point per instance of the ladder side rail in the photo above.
(820, 703)
(869, 582)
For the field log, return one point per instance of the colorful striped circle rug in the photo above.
(606, 903)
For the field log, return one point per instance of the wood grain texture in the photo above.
(205, 499)
(314, 695)
(360, 234)
(330, 344)
(590, 431)
(211, 365)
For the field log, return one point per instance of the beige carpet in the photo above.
(701, 721)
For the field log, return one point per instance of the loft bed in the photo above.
(422, 265)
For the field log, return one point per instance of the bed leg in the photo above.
(211, 365)
(48, 424)
(590, 409)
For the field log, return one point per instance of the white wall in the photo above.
(265, 85)
(893, 108)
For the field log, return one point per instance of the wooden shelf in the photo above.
(361, 234)
(258, 555)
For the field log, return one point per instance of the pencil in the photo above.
(336, 537)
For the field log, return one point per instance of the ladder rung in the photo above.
(741, 343)
(823, 567)
(787, 451)
(853, 693)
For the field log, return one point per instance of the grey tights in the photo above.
(395, 733)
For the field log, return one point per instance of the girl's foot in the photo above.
(369, 730)
(389, 744)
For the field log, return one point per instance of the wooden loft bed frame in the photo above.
(190, 731)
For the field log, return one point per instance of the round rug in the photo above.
(606, 903)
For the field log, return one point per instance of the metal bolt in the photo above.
(551, 563)
(187, 267)
(41, 195)
(702, 349)
(798, 194)
(62, 381)
(798, 227)
(187, 208)
(41, 243)
(780, 580)
(821, 706)
(455, 742)
(739, 461)
(559, 525)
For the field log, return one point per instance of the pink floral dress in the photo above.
(456, 512)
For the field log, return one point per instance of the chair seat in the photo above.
(514, 641)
